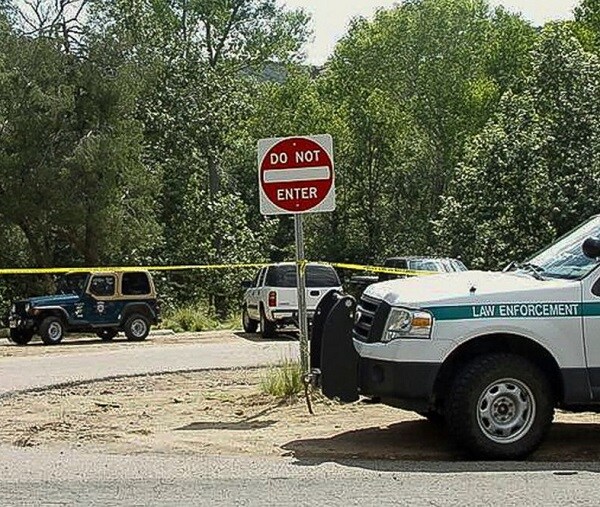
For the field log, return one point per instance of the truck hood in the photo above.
(56, 300)
(467, 287)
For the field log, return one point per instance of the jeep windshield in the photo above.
(73, 283)
(565, 258)
(316, 276)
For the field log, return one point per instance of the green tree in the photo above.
(534, 170)
(411, 87)
(203, 64)
(71, 177)
(587, 26)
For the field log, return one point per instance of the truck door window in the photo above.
(256, 277)
(102, 286)
(426, 265)
(261, 277)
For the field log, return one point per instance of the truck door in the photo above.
(254, 295)
(101, 306)
(591, 329)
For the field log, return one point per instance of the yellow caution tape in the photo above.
(383, 269)
(303, 263)
(112, 269)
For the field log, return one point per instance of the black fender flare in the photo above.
(138, 307)
(46, 311)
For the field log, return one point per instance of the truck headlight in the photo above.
(404, 323)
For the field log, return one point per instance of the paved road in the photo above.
(21, 373)
(41, 477)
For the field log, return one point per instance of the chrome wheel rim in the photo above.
(138, 328)
(506, 410)
(55, 331)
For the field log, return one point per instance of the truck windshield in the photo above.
(73, 283)
(565, 258)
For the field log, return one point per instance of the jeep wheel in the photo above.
(52, 330)
(500, 406)
(267, 328)
(106, 334)
(20, 336)
(250, 325)
(137, 327)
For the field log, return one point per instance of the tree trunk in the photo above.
(214, 176)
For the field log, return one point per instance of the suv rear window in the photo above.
(135, 284)
(316, 276)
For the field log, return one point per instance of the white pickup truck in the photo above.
(491, 354)
(271, 299)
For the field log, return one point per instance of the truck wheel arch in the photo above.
(52, 312)
(496, 343)
(141, 308)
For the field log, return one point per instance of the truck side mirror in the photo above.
(591, 247)
(246, 284)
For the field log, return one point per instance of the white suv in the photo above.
(271, 299)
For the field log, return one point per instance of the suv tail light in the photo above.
(272, 299)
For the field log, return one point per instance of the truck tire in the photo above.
(250, 325)
(267, 328)
(52, 330)
(433, 416)
(137, 327)
(20, 336)
(107, 334)
(500, 406)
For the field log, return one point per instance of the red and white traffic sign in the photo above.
(296, 175)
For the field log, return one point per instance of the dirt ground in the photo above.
(224, 413)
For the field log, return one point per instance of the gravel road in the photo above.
(47, 477)
(23, 373)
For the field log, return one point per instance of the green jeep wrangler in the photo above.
(101, 302)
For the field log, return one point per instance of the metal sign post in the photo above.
(295, 176)
(301, 275)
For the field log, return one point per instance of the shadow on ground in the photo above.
(421, 446)
(282, 336)
(224, 425)
(247, 423)
(76, 340)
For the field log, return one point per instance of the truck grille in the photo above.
(365, 311)
(20, 307)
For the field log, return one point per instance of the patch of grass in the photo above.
(196, 318)
(189, 319)
(283, 380)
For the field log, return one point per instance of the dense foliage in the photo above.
(128, 133)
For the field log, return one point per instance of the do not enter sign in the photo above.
(296, 175)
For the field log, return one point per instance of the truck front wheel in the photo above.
(21, 336)
(52, 330)
(250, 325)
(500, 406)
